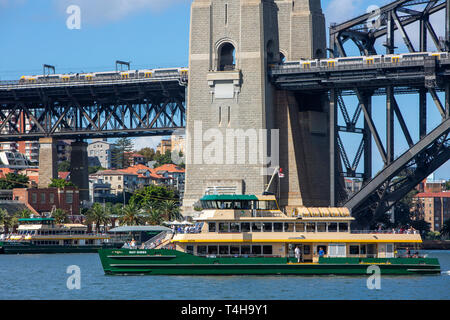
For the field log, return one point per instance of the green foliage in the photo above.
(152, 196)
(60, 216)
(64, 166)
(447, 185)
(161, 159)
(14, 180)
(147, 153)
(121, 153)
(132, 215)
(95, 169)
(60, 184)
(23, 214)
(99, 215)
(8, 221)
(434, 235)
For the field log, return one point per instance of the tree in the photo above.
(98, 215)
(121, 153)
(60, 216)
(147, 153)
(152, 196)
(155, 216)
(14, 180)
(95, 169)
(447, 185)
(8, 221)
(132, 215)
(64, 166)
(25, 213)
(170, 210)
(60, 184)
(162, 159)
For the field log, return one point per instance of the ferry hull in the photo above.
(44, 249)
(170, 262)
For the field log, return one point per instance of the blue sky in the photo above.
(150, 34)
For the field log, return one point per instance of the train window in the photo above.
(377, 60)
(313, 64)
(395, 59)
(331, 63)
(324, 63)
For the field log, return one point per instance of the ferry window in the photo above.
(306, 250)
(224, 227)
(212, 249)
(343, 227)
(332, 227)
(267, 226)
(300, 227)
(288, 227)
(324, 248)
(224, 250)
(245, 227)
(245, 249)
(321, 227)
(363, 249)
(354, 250)
(234, 227)
(278, 227)
(267, 249)
(256, 226)
(212, 227)
(234, 249)
(256, 250)
(190, 249)
(310, 227)
(201, 250)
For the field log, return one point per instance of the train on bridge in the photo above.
(360, 61)
(107, 75)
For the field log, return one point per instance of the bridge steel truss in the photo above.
(429, 77)
(92, 109)
(366, 29)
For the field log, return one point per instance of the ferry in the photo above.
(250, 235)
(43, 235)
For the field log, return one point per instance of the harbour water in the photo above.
(45, 277)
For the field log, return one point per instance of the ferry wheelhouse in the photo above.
(247, 234)
(43, 235)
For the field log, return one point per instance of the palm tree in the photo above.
(8, 221)
(155, 216)
(98, 215)
(60, 216)
(170, 210)
(132, 216)
(23, 214)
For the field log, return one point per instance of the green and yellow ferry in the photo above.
(250, 235)
(44, 235)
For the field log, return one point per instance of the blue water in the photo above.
(45, 277)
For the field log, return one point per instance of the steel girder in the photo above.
(92, 111)
(396, 180)
(364, 30)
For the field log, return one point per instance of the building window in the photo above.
(34, 197)
(52, 198)
(42, 198)
(69, 198)
(227, 57)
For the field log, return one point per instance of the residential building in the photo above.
(14, 159)
(178, 143)
(99, 191)
(146, 176)
(435, 208)
(44, 200)
(99, 153)
(175, 174)
(136, 158)
(164, 145)
(118, 179)
(63, 148)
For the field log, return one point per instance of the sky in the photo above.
(151, 34)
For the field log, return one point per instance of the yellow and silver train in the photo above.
(107, 75)
(363, 60)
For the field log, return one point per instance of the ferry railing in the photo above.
(385, 231)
